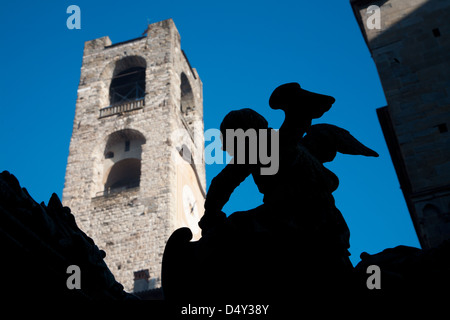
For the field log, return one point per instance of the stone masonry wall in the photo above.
(133, 225)
(412, 55)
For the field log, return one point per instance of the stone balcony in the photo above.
(122, 107)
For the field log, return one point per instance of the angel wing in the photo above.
(325, 140)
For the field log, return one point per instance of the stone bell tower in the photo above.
(135, 170)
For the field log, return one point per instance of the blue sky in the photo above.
(242, 50)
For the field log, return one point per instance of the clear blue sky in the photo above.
(242, 51)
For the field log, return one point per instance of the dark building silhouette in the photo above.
(411, 49)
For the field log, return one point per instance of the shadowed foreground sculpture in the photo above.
(297, 241)
(295, 245)
(38, 243)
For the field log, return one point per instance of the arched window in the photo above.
(124, 174)
(187, 96)
(185, 153)
(123, 169)
(125, 143)
(128, 85)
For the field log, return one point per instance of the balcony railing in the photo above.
(122, 107)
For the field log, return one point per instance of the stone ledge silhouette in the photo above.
(38, 244)
(231, 267)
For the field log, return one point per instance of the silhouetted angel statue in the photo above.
(324, 141)
(302, 187)
(297, 233)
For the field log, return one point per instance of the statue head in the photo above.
(291, 98)
(244, 119)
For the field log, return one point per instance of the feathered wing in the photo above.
(325, 140)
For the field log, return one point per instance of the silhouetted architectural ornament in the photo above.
(296, 239)
(295, 245)
(39, 243)
(409, 271)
